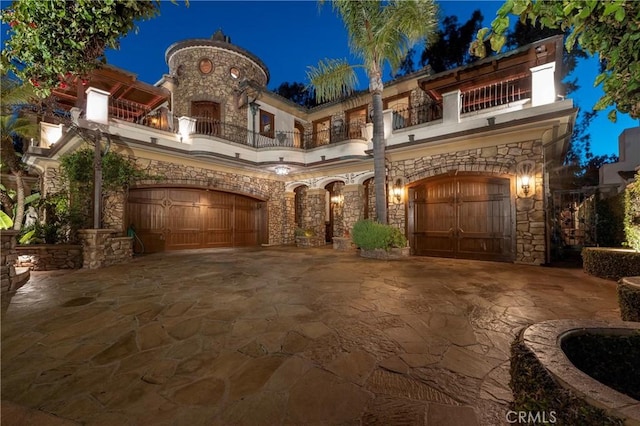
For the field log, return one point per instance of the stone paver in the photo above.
(278, 336)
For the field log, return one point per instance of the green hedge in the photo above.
(610, 224)
(610, 263)
(370, 235)
(629, 301)
(632, 214)
(535, 391)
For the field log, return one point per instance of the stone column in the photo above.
(8, 258)
(113, 211)
(289, 216)
(101, 248)
(451, 107)
(315, 214)
(353, 206)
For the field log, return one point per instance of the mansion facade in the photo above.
(232, 164)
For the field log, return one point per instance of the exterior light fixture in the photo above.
(396, 190)
(525, 170)
(282, 170)
(337, 199)
(524, 183)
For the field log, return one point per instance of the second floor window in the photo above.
(322, 131)
(267, 124)
(356, 119)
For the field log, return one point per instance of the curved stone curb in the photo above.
(543, 340)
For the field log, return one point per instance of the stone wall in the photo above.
(315, 214)
(217, 86)
(338, 210)
(8, 257)
(49, 257)
(289, 218)
(353, 209)
(113, 210)
(498, 160)
(101, 247)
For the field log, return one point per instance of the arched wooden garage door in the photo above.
(464, 216)
(186, 218)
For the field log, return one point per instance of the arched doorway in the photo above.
(463, 216)
(167, 218)
(334, 211)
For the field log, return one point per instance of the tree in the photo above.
(451, 50)
(298, 93)
(14, 124)
(379, 33)
(52, 41)
(610, 28)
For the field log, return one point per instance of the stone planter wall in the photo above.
(8, 257)
(307, 242)
(49, 257)
(343, 244)
(382, 254)
(544, 380)
(102, 247)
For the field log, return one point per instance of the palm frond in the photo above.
(332, 79)
(405, 23)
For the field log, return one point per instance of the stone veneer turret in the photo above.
(201, 70)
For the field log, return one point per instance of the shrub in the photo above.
(629, 301)
(610, 263)
(610, 224)
(370, 235)
(632, 214)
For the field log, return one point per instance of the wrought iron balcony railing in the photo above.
(501, 93)
(162, 119)
(417, 114)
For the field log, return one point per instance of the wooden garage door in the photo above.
(462, 216)
(179, 218)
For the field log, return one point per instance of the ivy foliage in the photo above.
(632, 214)
(610, 28)
(118, 171)
(53, 41)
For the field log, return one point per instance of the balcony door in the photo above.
(207, 115)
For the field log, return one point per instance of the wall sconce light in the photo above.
(337, 199)
(525, 170)
(524, 183)
(397, 190)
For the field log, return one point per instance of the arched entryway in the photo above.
(190, 218)
(463, 216)
(334, 210)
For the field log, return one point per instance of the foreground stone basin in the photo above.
(544, 341)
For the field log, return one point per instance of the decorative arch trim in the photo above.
(211, 184)
(494, 168)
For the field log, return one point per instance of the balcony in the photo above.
(496, 94)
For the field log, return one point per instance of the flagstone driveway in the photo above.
(279, 336)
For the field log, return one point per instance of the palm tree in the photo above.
(12, 124)
(378, 32)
